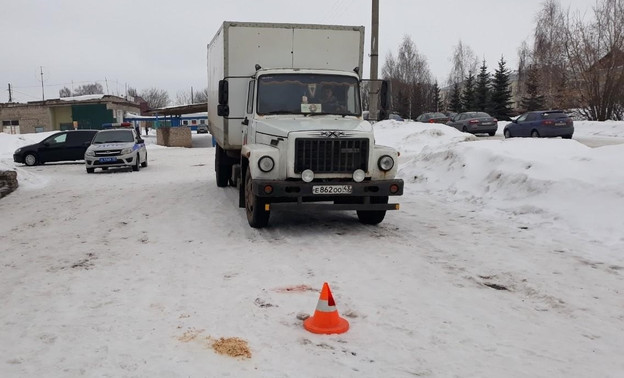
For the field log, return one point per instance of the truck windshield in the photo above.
(308, 94)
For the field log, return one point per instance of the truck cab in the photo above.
(295, 136)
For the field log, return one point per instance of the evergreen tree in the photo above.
(533, 100)
(468, 94)
(501, 93)
(437, 100)
(455, 104)
(482, 90)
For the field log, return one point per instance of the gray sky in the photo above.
(162, 44)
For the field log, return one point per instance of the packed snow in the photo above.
(504, 260)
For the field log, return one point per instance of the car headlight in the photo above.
(90, 153)
(126, 151)
(385, 163)
(266, 164)
(18, 150)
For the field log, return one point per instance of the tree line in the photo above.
(573, 63)
(155, 98)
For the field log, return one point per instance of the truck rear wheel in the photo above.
(254, 206)
(373, 216)
(223, 170)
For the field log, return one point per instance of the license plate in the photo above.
(560, 123)
(107, 159)
(332, 189)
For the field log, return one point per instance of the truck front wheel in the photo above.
(254, 205)
(373, 216)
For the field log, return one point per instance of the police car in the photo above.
(116, 147)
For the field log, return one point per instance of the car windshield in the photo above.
(308, 94)
(114, 136)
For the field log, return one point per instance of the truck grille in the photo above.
(331, 155)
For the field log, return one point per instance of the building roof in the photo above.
(86, 99)
(180, 109)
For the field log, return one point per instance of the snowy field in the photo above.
(505, 260)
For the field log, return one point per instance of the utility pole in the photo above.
(42, 92)
(192, 95)
(10, 94)
(373, 108)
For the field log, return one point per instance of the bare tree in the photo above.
(65, 92)
(411, 79)
(155, 98)
(183, 98)
(463, 63)
(525, 60)
(201, 96)
(549, 56)
(595, 52)
(88, 89)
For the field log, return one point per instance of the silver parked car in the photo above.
(474, 123)
(116, 148)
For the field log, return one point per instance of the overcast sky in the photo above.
(162, 44)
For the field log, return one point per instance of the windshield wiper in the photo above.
(280, 112)
(337, 114)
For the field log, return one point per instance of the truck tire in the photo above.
(373, 216)
(254, 206)
(223, 170)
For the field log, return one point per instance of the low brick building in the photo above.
(82, 112)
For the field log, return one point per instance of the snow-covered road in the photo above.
(134, 274)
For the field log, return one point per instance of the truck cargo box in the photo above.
(238, 47)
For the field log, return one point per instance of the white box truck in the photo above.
(285, 110)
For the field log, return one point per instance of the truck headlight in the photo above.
(307, 175)
(266, 164)
(385, 163)
(126, 151)
(359, 175)
(90, 153)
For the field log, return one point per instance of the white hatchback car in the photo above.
(116, 148)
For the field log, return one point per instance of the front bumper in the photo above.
(367, 195)
(120, 161)
(18, 158)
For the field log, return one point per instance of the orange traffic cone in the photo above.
(326, 319)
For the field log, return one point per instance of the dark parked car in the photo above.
(474, 123)
(544, 123)
(434, 117)
(61, 146)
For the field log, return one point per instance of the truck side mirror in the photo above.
(223, 92)
(223, 110)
